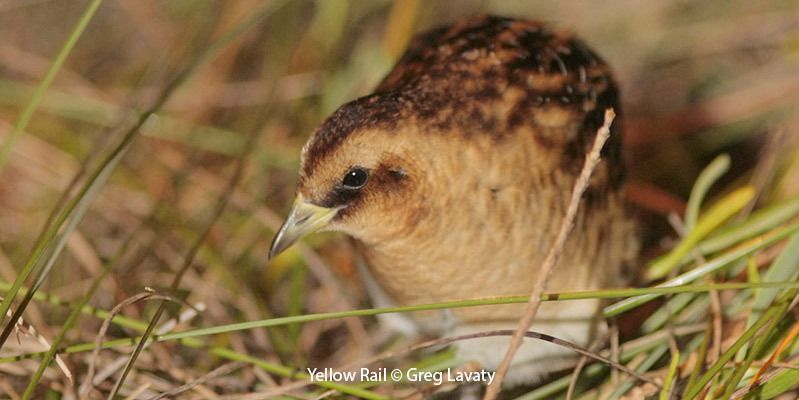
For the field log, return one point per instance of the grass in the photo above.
(146, 165)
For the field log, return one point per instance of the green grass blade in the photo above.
(781, 383)
(215, 330)
(665, 393)
(645, 365)
(30, 108)
(762, 342)
(119, 320)
(712, 219)
(61, 240)
(784, 269)
(704, 269)
(551, 389)
(17, 130)
(740, 371)
(49, 245)
(73, 316)
(704, 347)
(706, 179)
(767, 317)
(663, 314)
(760, 221)
(170, 128)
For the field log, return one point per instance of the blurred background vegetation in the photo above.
(209, 174)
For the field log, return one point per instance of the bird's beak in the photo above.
(303, 219)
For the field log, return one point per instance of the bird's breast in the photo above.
(491, 212)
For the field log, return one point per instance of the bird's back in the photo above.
(495, 76)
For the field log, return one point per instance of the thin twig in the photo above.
(113, 366)
(98, 340)
(220, 371)
(581, 364)
(778, 367)
(31, 331)
(614, 350)
(591, 160)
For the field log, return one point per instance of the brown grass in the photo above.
(698, 79)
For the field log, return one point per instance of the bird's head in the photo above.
(359, 174)
(461, 103)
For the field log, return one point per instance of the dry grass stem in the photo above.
(219, 371)
(98, 341)
(553, 256)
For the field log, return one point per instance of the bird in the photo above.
(453, 177)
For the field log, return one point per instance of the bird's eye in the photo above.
(355, 178)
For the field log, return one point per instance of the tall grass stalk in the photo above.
(44, 84)
(74, 314)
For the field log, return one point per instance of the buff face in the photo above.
(365, 181)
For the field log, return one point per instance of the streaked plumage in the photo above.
(471, 145)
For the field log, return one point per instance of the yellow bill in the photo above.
(303, 219)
